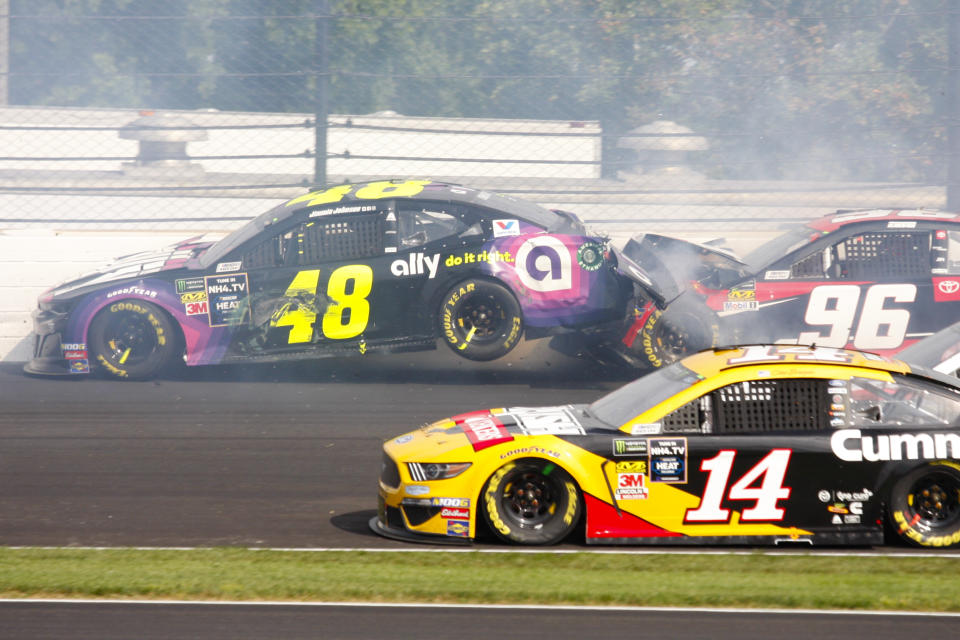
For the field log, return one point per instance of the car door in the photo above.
(323, 283)
(436, 245)
(753, 457)
(860, 290)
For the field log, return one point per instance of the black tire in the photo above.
(132, 339)
(924, 506)
(531, 502)
(480, 320)
(683, 328)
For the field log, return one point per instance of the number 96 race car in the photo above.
(761, 445)
(352, 269)
(873, 280)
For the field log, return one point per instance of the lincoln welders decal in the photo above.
(227, 299)
(668, 459)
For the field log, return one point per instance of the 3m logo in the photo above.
(196, 308)
(631, 486)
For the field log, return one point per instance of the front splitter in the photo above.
(407, 536)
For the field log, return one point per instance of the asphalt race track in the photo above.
(288, 456)
(116, 621)
(274, 456)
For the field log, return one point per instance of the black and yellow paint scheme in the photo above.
(353, 269)
(759, 445)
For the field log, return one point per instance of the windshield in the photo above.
(629, 401)
(935, 350)
(779, 247)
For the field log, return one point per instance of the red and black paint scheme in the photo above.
(351, 269)
(875, 280)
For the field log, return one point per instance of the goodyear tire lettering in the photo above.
(514, 518)
(924, 506)
(132, 339)
(684, 328)
(480, 320)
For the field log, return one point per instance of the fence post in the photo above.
(953, 111)
(4, 52)
(322, 76)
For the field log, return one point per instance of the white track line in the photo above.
(530, 607)
(799, 552)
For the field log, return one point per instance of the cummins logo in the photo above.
(850, 445)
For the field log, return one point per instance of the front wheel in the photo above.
(683, 328)
(925, 506)
(481, 320)
(531, 502)
(132, 339)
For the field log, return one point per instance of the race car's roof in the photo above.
(712, 362)
(833, 221)
(338, 195)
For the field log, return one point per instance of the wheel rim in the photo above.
(678, 336)
(482, 316)
(129, 339)
(934, 500)
(529, 498)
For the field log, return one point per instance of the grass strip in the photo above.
(753, 580)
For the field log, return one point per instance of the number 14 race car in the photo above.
(876, 280)
(353, 269)
(761, 444)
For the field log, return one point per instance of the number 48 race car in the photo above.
(353, 269)
(762, 444)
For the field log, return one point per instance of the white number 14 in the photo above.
(770, 472)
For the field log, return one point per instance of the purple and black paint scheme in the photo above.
(352, 269)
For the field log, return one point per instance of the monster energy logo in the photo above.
(629, 447)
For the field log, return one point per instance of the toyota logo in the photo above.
(948, 286)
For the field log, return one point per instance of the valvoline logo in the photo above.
(504, 228)
(483, 430)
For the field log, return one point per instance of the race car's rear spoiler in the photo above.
(665, 267)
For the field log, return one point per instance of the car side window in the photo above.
(870, 256)
(275, 251)
(420, 224)
(318, 240)
(755, 406)
(904, 402)
(946, 252)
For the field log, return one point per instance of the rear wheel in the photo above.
(481, 320)
(531, 502)
(132, 339)
(925, 506)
